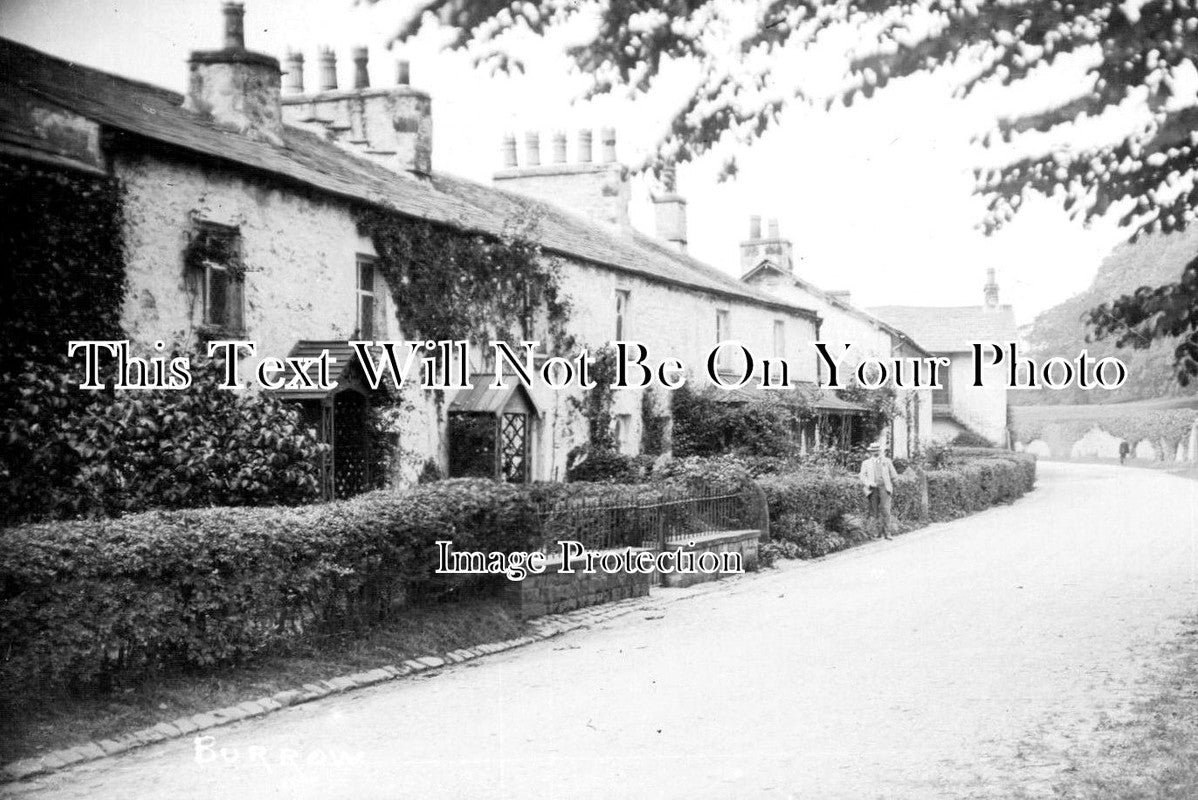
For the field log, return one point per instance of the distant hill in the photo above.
(1150, 261)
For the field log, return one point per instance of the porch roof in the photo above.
(482, 399)
(343, 359)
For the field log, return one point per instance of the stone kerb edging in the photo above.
(543, 628)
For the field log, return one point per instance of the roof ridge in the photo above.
(5, 42)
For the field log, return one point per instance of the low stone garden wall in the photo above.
(556, 591)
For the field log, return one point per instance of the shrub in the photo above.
(610, 466)
(704, 425)
(820, 511)
(968, 438)
(83, 600)
(71, 452)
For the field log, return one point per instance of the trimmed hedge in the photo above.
(82, 600)
(813, 513)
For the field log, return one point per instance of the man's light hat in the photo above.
(874, 446)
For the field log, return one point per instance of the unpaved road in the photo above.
(976, 658)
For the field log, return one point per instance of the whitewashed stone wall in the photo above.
(984, 408)
(839, 326)
(301, 283)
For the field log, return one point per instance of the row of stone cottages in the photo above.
(273, 174)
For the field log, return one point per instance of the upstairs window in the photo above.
(623, 309)
(367, 299)
(780, 338)
(215, 268)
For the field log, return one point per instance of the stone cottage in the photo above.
(767, 263)
(263, 175)
(949, 331)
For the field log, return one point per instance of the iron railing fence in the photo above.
(649, 517)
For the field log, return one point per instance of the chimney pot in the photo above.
(670, 212)
(754, 227)
(774, 232)
(584, 146)
(295, 72)
(234, 26)
(990, 290)
(234, 88)
(532, 149)
(403, 72)
(559, 147)
(361, 74)
(609, 145)
(328, 69)
(509, 150)
(669, 178)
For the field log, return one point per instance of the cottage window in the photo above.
(367, 300)
(780, 338)
(214, 258)
(722, 334)
(623, 308)
(623, 433)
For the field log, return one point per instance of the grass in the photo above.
(1155, 754)
(35, 723)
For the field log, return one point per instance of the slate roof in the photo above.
(306, 158)
(482, 399)
(834, 301)
(344, 369)
(950, 329)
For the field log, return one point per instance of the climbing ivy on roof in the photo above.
(451, 284)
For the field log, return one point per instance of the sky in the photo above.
(877, 198)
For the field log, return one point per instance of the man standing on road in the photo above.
(878, 477)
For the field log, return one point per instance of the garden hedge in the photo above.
(82, 600)
(815, 512)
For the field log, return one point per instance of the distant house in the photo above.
(767, 263)
(254, 166)
(949, 331)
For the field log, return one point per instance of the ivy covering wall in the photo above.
(69, 452)
(447, 284)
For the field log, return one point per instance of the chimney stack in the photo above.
(295, 72)
(361, 74)
(601, 191)
(990, 290)
(392, 126)
(532, 149)
(669, 210)
(234, 26)
(609, 145)
(773, 248)
(328, 69)
(237, 89)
